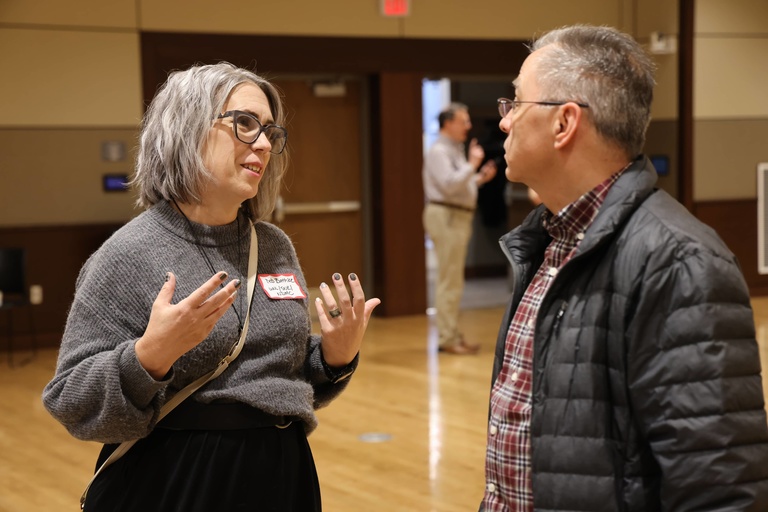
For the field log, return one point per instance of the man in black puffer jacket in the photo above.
(627, 375)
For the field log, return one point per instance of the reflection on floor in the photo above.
(481, 293)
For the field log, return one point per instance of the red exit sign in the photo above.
(395, 7)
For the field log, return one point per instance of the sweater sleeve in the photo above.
(695, 384)
(100, 391)
(325, 390)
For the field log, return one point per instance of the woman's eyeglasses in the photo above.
(248, 129)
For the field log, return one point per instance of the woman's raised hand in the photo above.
(343, 321)
(175, 329)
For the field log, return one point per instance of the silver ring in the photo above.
(335, 313)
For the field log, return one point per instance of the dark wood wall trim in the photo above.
(54, 257)
(736, 223)
(398, 196)
(162, 52)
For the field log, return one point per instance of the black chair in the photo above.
(13, 286)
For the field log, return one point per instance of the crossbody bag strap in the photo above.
(182, 395)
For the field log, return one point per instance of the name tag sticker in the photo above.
(281, 286)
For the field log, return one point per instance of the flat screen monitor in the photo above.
(115, 182)
(12, 271)
(661, 163)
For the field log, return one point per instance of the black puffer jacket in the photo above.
(647, 393)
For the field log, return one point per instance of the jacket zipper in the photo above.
(555, 332)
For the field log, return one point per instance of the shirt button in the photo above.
(531, 323)
(514, 377)
(491, 487)
(493, 430)
(552, 271)
(580, 236)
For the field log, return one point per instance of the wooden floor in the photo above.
(426, 414)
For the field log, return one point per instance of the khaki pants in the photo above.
(449, 229)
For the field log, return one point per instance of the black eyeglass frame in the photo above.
(234, 114)
(504, 109)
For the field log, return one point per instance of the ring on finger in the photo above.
(335, 312)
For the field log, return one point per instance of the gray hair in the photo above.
(606, 69)
(450, 112)
(175, 127)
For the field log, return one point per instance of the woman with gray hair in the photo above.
(204, 393)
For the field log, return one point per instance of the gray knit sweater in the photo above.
(102, 393)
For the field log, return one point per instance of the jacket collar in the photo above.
(529, 240)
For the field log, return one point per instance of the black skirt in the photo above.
(264, 469)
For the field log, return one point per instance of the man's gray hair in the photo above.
(175, 128)
(606, 69)
(450, 112)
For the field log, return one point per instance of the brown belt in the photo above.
(454, 206)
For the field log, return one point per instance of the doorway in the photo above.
(501, 205)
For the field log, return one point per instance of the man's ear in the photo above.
(566, 123)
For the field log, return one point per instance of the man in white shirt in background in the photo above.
(451, 180)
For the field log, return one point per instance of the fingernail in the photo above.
(167, 276)
(237, 284)
(318, 299)
(352, 277)
(336, 276)
(323, 285)
(223, 276)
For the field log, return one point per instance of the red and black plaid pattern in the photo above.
(508, 457)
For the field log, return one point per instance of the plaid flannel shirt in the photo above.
(508, 457)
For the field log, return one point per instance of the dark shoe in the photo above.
(461, 349)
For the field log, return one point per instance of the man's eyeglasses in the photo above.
(247, 129)
(506, 105)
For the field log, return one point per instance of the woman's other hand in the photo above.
(175, 329)
(343, 321)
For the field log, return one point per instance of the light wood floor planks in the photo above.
(433, 408)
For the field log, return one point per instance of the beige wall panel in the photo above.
(641, 19)
(726, 154)
(286, 17)
(657, 16)
(665, 100)
(505, 19)
(489, 19)
(731, 16)
(627, 16)
(66, 78)
(81, 13)
(730, 77)
(54, 177)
